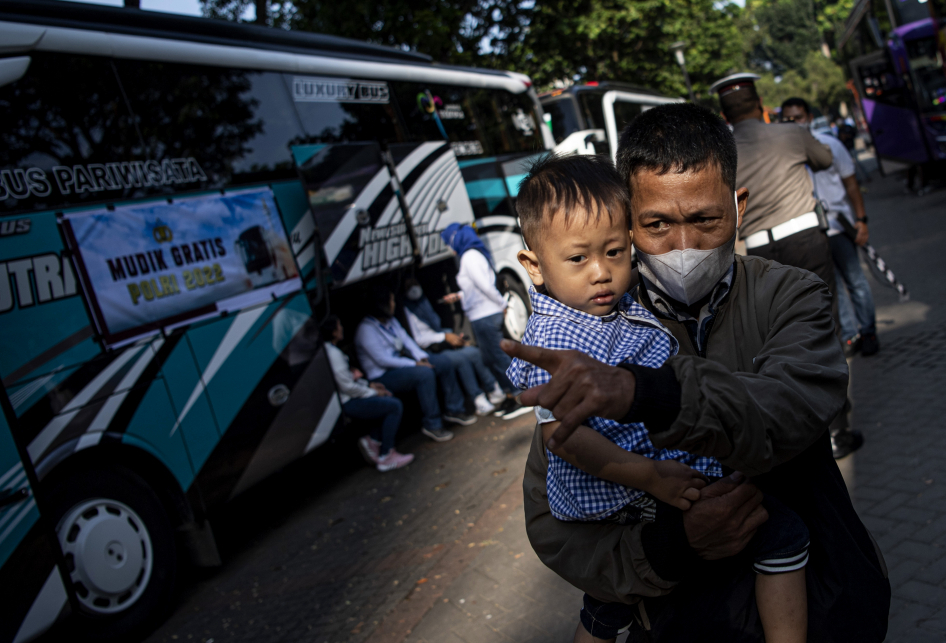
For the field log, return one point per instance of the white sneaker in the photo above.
(370, 449)
(394, 460)
(496, 396)
(483, 406)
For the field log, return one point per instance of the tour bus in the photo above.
(901, 79)
(181, 202)
(587, 119)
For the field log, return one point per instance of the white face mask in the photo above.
(688, 275)
(414, 293)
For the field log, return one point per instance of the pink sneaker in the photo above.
(394, 460)
(370, 449)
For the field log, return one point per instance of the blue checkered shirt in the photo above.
(630, 333)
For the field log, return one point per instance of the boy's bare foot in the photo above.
(675, 483)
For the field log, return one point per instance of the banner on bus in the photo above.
(156, 265)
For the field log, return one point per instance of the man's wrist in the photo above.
(666, 546)
(656, 400)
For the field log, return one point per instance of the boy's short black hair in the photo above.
(566, 184)
(677, 137)
(797, 102)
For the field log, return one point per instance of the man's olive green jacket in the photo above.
(773, 378)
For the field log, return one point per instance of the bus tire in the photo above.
(119, 550)
(518, 307)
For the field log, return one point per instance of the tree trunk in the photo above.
(261, 12)
(133, 4)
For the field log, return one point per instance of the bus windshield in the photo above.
(564, 117)
(927, 63)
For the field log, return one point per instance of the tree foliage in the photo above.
(820, 82)
(628, 40)
(564, 41)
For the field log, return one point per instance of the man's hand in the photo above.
(451, 298)
(581, 387)
(356, 374)
(862, 234)
(674, 483)
(425, 362)
(725, 518)
(454, 340)
(380, 389)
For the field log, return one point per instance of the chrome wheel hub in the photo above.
(108, 554)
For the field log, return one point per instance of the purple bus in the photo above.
(902, 83)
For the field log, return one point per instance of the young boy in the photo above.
(574, 212)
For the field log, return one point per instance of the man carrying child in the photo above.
(729, 363)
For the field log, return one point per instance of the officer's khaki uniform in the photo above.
(772, 161)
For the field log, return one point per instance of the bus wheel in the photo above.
(119, 551)
(517, 308)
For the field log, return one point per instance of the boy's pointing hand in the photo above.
(581, 387)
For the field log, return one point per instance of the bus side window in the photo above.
(236, 125)
(508, 121)
(63, 121)
(564, 117)
(340, 110)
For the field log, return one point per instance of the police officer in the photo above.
(780, 222)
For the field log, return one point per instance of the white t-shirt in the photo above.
(828, 185)
(477, 282)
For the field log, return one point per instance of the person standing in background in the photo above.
(839, 192)
(364, 401)
(780, 223)
(484, 306)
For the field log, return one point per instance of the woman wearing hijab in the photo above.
(483, 305)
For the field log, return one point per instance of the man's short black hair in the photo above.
(567, 184)
(677, 137)
(797, 102)
(327, 328)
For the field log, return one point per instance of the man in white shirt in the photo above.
(364, 401)
(442, 344)
(840, 194)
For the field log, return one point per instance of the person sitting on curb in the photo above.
(365, 401)
(390, 356)
(442, 344)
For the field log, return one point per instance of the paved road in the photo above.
(335, 552)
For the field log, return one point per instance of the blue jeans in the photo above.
(422, 381)
(447, 376)
(472, 372)
(856, 305)
(489, 332)
(371, 408)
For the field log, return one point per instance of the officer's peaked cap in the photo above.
(734, 83)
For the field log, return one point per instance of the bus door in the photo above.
(32, 591)
(888, 106)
